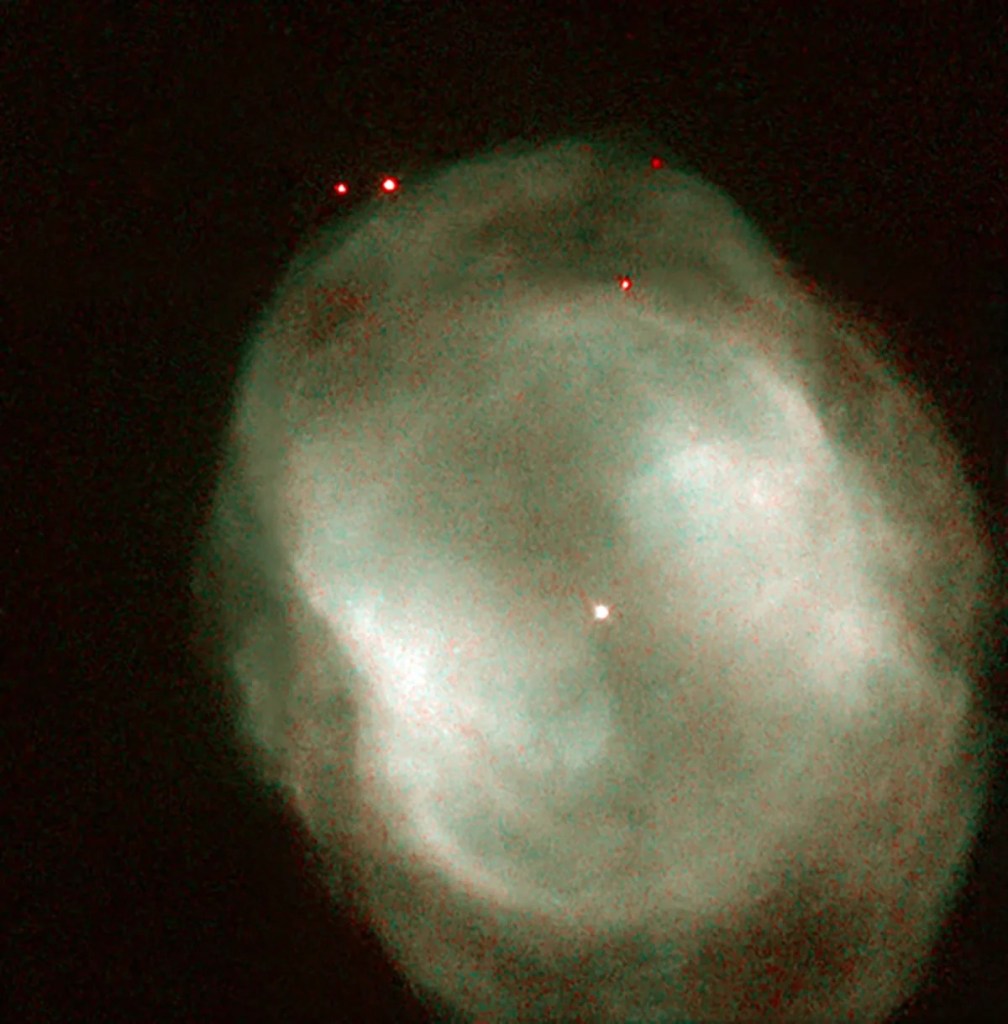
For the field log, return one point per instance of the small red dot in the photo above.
(341, 188)
(389, 184)
(657, 163)
(625, 283)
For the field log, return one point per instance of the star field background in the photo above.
(159, 162)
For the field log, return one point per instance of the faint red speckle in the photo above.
(345, 298)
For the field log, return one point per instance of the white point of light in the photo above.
(601, 612)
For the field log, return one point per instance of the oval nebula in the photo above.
(616, 645)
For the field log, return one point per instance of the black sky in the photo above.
(159, 161)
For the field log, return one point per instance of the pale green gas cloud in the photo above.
(615, 644)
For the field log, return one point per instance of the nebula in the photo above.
(601, 599)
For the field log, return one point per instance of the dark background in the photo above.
(159, 161)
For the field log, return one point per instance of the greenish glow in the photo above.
(586, 625)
